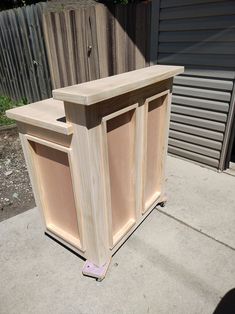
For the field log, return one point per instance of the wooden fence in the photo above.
(24, 71)
(51, 45)
(89, 41)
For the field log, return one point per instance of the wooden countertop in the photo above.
(94, 91)
(43, 114)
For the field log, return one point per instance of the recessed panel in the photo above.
(156, 119)
(121, 159)
(54, 179)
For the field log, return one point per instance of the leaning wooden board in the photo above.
(96, 157)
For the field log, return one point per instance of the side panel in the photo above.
(52, 173)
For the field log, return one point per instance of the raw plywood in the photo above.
(56, 185)
(155, 139)
(121, 152)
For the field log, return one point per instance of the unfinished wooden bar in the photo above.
(96, 158)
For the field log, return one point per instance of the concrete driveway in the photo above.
(180, 260)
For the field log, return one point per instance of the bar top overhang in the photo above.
(95, 91)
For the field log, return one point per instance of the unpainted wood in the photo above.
(44, 114)
(88, 159)
(121, 157)
(95, 91)
(44, 134)
(156, 113)
(55, 181)
(103, 163)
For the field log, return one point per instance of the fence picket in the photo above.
(54, 44)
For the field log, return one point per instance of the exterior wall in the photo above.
(201, 36)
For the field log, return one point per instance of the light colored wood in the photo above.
(165, 144)
(58, 234)
(112, 237)
(43, 142)
(140, 156)
(32, 174)
(156, 113)
(44, 114)
(55, 183)
(121, 137)
(109, 172)
(48, 135)
(88, 157)
(95, 91)
(79, 243)
(122, 230)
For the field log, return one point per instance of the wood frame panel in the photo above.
(76, 242)
(158, 152)
(117, 236)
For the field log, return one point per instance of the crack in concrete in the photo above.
(196, 229)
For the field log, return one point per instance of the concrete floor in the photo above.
(165, 267)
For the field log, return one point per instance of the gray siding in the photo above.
(199, 34)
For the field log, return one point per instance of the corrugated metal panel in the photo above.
(199, 34)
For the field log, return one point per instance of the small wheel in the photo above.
(162, 204)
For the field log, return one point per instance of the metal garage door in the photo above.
(199, 34)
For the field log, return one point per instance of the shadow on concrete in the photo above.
(227, 303)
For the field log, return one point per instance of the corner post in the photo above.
(88, 162)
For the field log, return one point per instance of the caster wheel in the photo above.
(162, 204)
(99, 279)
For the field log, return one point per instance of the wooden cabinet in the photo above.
(96, 157)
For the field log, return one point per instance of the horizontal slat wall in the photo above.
(199, 34)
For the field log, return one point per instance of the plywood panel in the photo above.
(121, 152)
(57, 193)
(155, 137)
